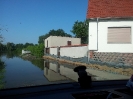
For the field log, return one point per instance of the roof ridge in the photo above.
(109, 8)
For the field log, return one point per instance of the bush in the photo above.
(36, 50)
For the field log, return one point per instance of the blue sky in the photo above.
(26, 20)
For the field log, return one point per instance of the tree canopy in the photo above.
(36, 50)
(59, 32)
(1, 38)
(80, 30)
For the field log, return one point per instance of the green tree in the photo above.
(28, 44)
(80, 30)
(19, 46)
(10, 46)
(36, 50)
(2, 29)
(0, 42)
(59, 32)
(2, 70)
(41, 38)
(3, 47)
(1, 38)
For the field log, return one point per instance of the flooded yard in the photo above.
(19, 72)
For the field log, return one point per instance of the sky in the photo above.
(25, 20)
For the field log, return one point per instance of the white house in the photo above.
(57, 41)
(110, 28)
(25, 52)
(54, 41)
(73, 51)
(77, 51)
(66, 46)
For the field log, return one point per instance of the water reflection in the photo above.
(9, 54)
(2, 71)
(19, 72)
(55, 71)
(52, 73)
(38, 62)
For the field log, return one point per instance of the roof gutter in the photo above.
(111, 18)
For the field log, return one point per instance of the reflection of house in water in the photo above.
(68, 72)
(52, 73)
(58, 72)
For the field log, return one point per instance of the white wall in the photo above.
(61, 41)
(93, 35)
(53, 51)
(49, 42)
(102, 36)
(75, 52)
(25, 52)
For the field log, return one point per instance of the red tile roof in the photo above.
(110, 8)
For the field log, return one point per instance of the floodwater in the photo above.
(19, 72)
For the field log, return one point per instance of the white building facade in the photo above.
(54, 41)
(111, 36)
(111, 31)
(26, 52)
(66, 46)
(71, 51)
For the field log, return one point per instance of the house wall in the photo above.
(25, 52)
(49, 42)
(53, 51)
(75, 52)
(92, 36)
(101, 45)
(61, 41)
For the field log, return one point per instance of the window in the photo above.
(119, 35)
(68, 42)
